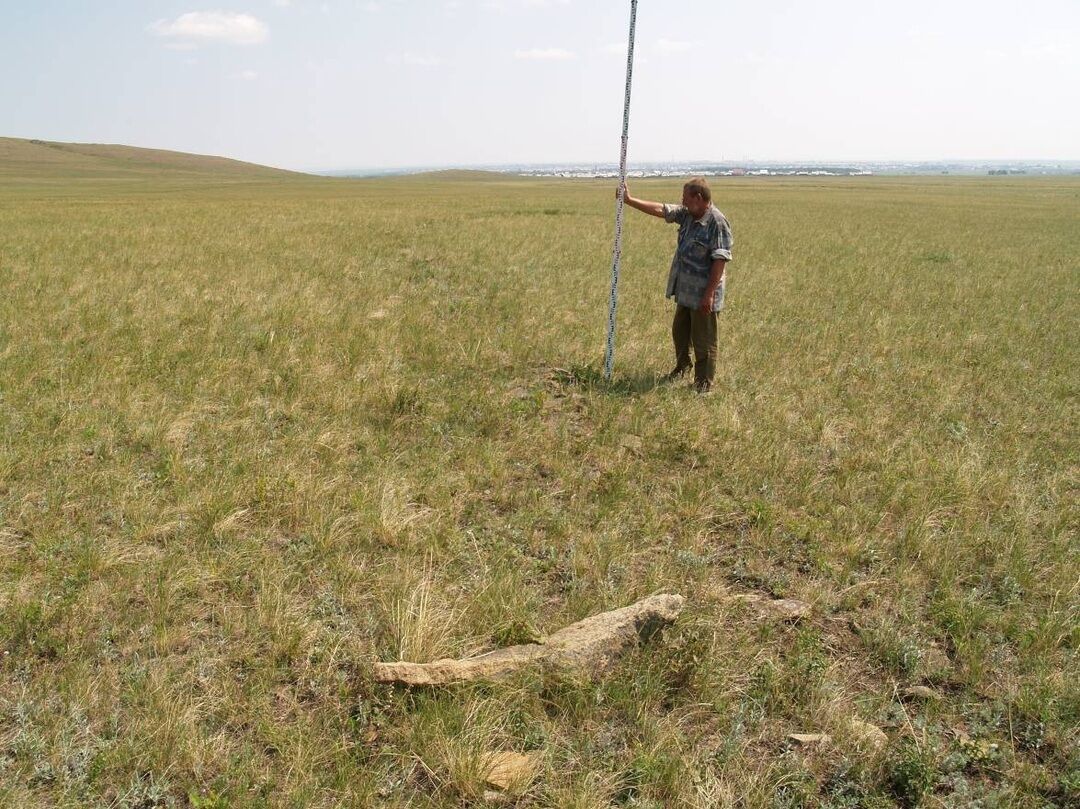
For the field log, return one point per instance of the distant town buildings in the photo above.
(606, 172)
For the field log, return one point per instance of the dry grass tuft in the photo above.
(420, 618)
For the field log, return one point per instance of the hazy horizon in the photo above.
(750, 161)
(632, 163)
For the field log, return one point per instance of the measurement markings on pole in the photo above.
(613, 302)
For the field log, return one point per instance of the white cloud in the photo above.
(420, 60)
(545, 54)
(248, 75)
(414, 59)
(372, 6)
(200, 27)
(672, 46)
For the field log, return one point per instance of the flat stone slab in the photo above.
(588, 645)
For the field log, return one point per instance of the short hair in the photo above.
(699, 187)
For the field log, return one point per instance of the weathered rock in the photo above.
(870, 735)
(489, 666)
(588, 645)
(809, 739)
(513, 771)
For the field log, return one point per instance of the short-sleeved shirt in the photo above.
(701, 241)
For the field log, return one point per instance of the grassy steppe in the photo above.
(255, 436)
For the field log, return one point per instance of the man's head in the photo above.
(696, 196)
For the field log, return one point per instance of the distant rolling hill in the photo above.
(31, 160)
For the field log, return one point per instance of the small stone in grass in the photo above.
(512, 770)
(922, 692)
(746, 598)
(809, 739)
(868, 734)
(789, 608)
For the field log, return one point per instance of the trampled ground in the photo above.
(256, 434)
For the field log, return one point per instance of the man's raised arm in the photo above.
(643, 205)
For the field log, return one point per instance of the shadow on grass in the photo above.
(590, 378)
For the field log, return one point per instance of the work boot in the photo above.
(677, 372)
(704, 371)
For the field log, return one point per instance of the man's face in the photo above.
(694, 203)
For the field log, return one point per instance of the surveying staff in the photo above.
(696, 280)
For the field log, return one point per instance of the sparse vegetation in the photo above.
(254, 436)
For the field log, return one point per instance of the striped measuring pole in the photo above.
(609, 358)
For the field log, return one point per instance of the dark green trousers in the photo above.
(692, 327)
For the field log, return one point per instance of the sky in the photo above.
(350, 84)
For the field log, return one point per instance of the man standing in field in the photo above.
(696, 280)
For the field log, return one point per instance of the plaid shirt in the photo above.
(701, 241)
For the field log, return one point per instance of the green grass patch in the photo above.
(258, 432)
